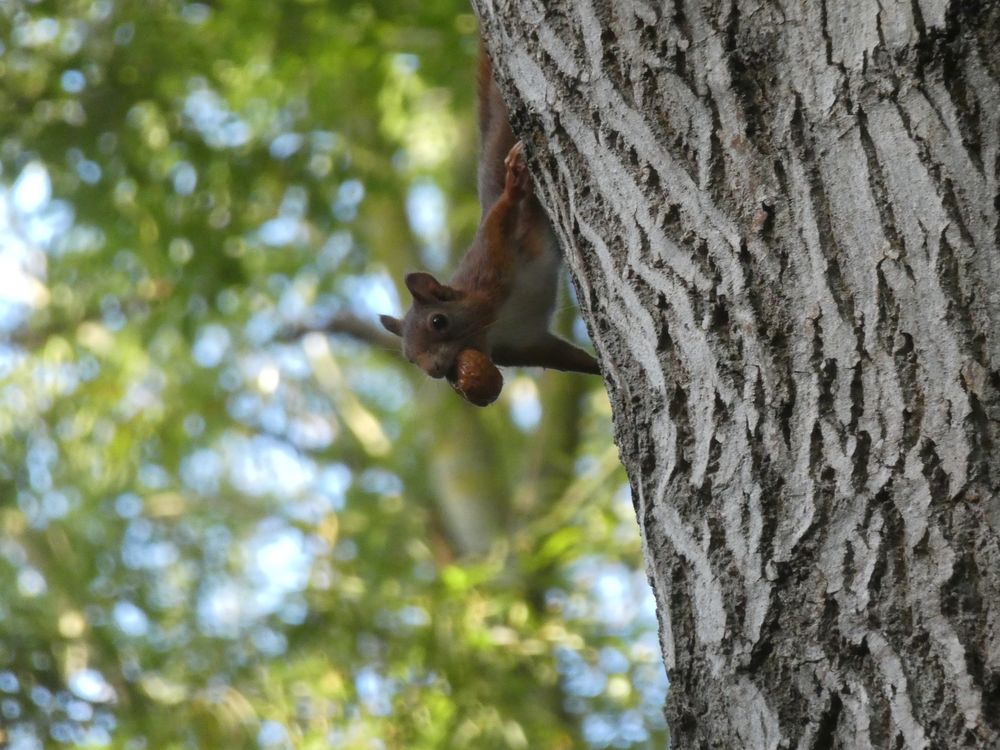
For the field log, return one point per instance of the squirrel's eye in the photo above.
(439, 322)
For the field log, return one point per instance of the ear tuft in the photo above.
(391, 324)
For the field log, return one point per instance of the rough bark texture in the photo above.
(782, 220)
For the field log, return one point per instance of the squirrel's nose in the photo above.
(433, 366)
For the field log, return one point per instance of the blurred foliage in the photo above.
(223, 522)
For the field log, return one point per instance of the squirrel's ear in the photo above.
(391, 324)
(425, 288)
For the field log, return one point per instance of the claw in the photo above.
(515, 157)
(518, 177)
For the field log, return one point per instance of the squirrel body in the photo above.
(502, 295)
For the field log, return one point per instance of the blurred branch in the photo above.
(346, 324)
(32, 337)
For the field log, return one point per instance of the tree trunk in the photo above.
(782, 221)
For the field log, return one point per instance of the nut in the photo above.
(476, 378)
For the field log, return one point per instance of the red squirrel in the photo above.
(501, 297)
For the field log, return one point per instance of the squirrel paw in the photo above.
(518, 177)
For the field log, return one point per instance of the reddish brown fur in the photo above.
(500, 298)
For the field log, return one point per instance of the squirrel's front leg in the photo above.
(517, 225)
(548, 351)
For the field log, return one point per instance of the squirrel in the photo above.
(501, 298)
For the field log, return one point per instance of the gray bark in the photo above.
(782, 221)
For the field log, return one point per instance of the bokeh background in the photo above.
(231, 516)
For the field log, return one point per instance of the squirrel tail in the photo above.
(496, 138)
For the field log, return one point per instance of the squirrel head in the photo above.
(439, 324)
